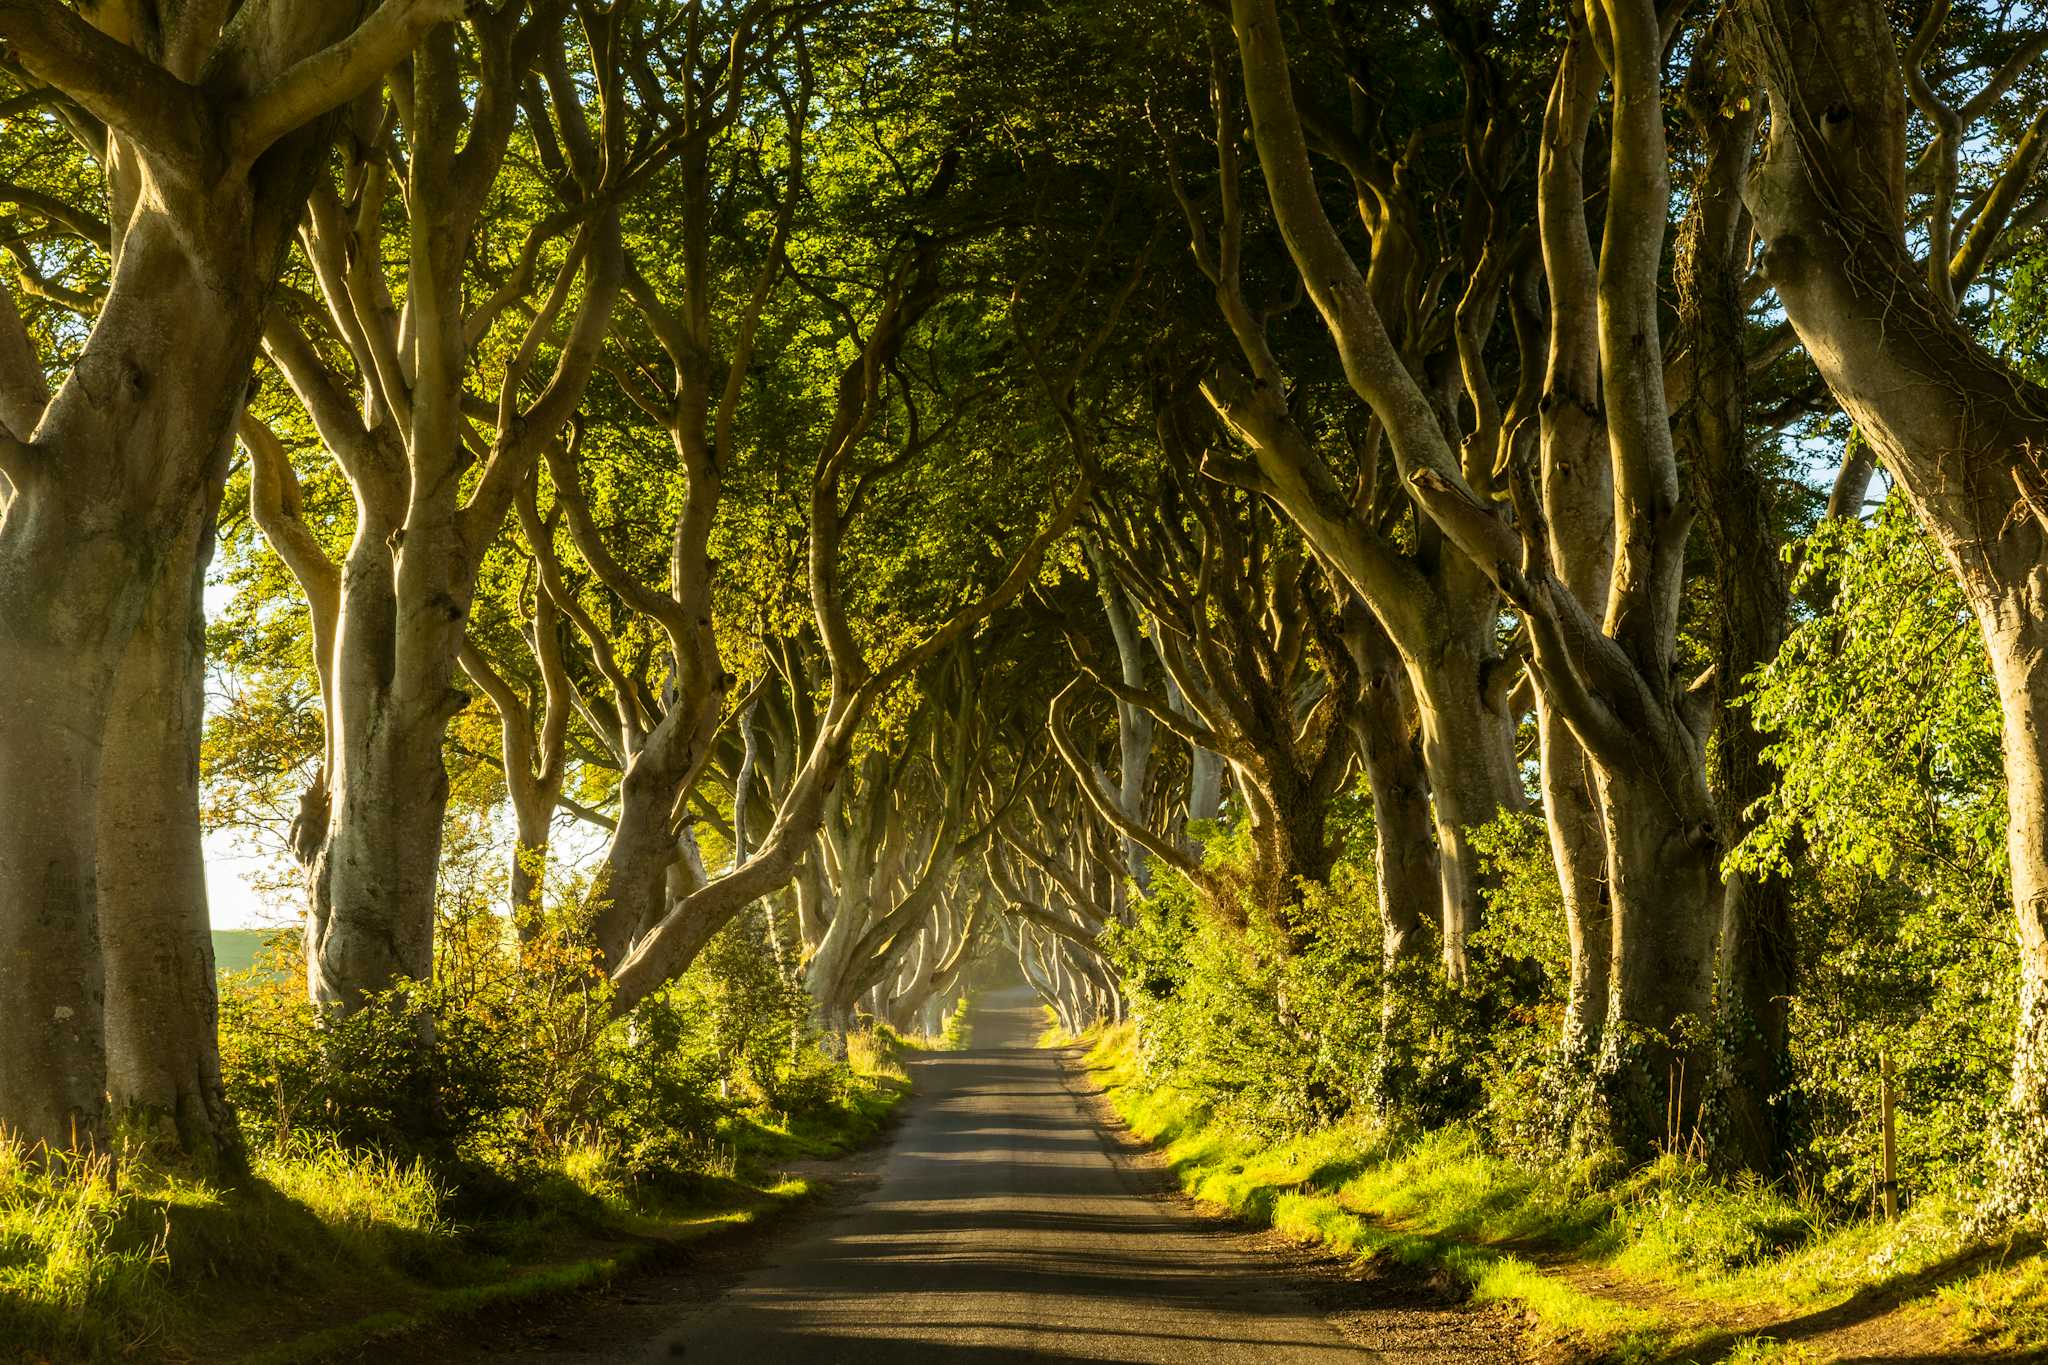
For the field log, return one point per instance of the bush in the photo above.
(510, 1061)
(1285, 1041)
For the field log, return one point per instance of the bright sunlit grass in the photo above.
(1674, 1240)
(105, 1262)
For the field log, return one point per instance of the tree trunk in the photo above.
(1577, 491)
(1961, 433)
(1468, 754)
(1578, 845)
(830, 971)
(2019, 663)
(52, 981)
(123, 456)
(632, 885)
(1406, 857)
(163, 1052)
(1664, 868)
(371, 924)
(533, 828)
(404, 605)
(1752, 599)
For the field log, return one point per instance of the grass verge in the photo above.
(1666, 1265)
(319, 1250)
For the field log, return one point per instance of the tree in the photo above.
(1611, 676)
(1960, 431)
(391, 401)
(211, 135)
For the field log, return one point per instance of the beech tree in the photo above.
(210, 134)
(1833, 199)
(1607, 667)
(392, 403)
(1246, 630)
(1438, 610)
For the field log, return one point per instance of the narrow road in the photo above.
(1003, 1229)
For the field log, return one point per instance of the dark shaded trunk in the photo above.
(1389, 748)
(1664, 863)
(1752, 599)
(1468, 754)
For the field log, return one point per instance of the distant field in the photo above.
(234, 950)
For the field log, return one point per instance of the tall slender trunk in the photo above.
(1134, 725)
(1577, 494)
(2019, 663)
(1752, 598)
(533, 828)
(1385, 731)
(1468, 754)
(1578, 845)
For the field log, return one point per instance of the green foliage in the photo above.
(510, 1058)
(1285, 1037)
(1215, 1013)
(1884, 719)
(439, 1143)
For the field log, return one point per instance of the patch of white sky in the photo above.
(234, 863)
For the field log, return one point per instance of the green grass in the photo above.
(319, 1250)
(1666, 1264)
(958, 1034)
(878, 1048)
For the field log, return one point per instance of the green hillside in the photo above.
(234, 950)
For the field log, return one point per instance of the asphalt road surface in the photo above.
(1004, 1227)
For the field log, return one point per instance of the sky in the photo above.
(232, 897)
(230, 864)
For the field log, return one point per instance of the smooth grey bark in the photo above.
(1389, 749)
(1577, 491)
(397, 427)
(1134, 725)
(1612, 675)
(163, 1052)
(533, 733)
(1468, 752)
(1440, 610)
(1206, 767)
(206, 181)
